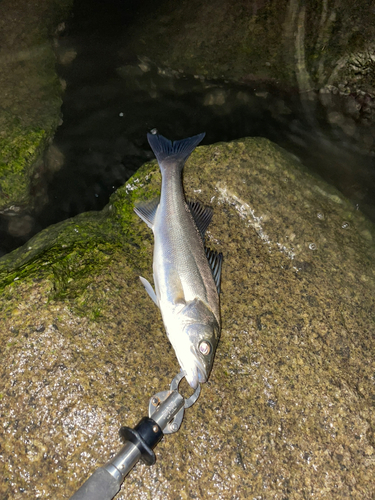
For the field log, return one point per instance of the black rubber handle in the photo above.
(99, 486)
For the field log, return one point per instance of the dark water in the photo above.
(111, 102)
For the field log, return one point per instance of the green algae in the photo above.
(30, 99)
(69, 254)
(19, 150)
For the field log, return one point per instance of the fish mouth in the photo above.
(196, 375)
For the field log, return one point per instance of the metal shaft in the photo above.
(168, 409)
(123, 462)
(106, 481)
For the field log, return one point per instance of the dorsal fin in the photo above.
(146, 210)
(202, 216)
(215, 260)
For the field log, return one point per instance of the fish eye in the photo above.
(204, 347)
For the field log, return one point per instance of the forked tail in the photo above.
(176, 151)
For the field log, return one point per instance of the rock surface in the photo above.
(30, 97)
(289, 409)
(286, 42)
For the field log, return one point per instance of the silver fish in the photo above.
(186, 273)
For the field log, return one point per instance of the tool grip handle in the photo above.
(101, 485)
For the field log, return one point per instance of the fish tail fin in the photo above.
(176, 151)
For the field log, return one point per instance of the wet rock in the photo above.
(130, 71)
(20, 226)
(215, 97)
(288, 409)
(30, 97)
(67, 56)
(54, 158)
(309, 46)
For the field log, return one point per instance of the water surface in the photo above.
(113, 99)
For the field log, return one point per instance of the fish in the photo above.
(186, 273)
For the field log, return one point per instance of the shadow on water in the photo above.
(111, 102)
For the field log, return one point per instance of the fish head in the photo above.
(195, 346)
(198, 362)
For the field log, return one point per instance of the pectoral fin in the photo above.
(149, 290)
(147, 210)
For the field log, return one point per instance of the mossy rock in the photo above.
(20, 147)
(31, 94)
(288, 410)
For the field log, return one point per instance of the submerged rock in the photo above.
(290, 43)
(288, 410)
